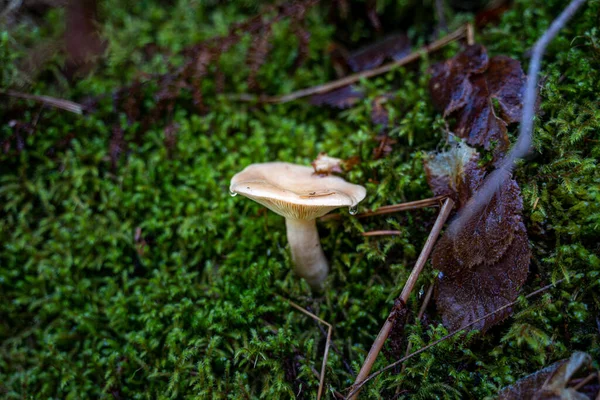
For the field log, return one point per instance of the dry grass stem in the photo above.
(66, 105)
(412, 205)
(587, 380)
(381, 233)
(458, 34)
(357, 385)
(408, 287)
(470, 35)
(327, 344)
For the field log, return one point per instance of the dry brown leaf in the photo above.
(467, 294)
(392, 47)
(466, 88)
(343, 97)
(485, 264)
(551, 383)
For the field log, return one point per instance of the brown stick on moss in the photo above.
(408, 287)
(460, 33)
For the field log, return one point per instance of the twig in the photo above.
(585, 381)
(408, 287)
(334, 347)
(412, 205)
(356, 387)
(381, 233)
(495, 180)
(327, 343)
(348, 80)
(470, 35)
(66, 105)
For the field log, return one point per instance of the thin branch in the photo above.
(412, 205)
(356, 387)
(460, 33)
(327, 344)
(408, 287)
(587, 380)
(381, 233)
(62, 104)
(495, 180)
(470, 35)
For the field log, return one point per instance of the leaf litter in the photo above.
(484, 95)
(483, 267)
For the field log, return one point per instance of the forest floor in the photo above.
(128, 271)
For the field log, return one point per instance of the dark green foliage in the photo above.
(148, 280)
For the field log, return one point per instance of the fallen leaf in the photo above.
(449, 84)
(551, 382)
(466, 294)
(344, 97)
(454, 173)
(468, 86)
(392, 47)
(485, 264)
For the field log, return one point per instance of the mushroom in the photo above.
(301, 196)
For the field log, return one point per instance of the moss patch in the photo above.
(150, 281)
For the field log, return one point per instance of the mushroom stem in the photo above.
(309, 260)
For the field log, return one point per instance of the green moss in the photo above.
(196, 308)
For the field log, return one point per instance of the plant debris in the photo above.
(469, 86)
(325, 165)
(485, 265)
(392, 47)
(552, 382)
(344, 97)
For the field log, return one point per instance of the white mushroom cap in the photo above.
(295, 191)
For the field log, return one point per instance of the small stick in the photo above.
(348, 80)
(327, 343)
(381, 233)
(356, 387)
(412, 205)
(585, 381)
(470, 34)
(66, 105)
(408, 287)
